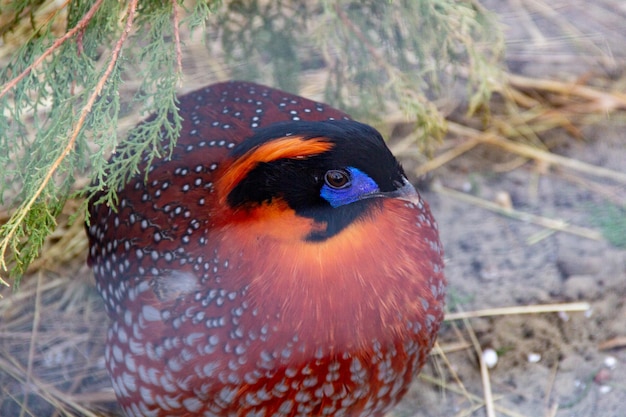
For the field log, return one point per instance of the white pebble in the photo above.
(534, 357)
(605, 389)
(610, 362)
(490, 358)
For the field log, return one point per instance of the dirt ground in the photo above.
(494, 261)
(550, 364)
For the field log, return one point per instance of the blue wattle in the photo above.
(360, 185)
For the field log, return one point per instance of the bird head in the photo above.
(327, 173)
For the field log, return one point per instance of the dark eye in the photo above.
(337, 178)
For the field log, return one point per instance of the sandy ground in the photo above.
(493, 261)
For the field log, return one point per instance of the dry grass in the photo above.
(454, 385)
(52, 330)
(52, 335)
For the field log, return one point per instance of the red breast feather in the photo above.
(225, 307)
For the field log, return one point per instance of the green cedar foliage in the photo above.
(373, 53)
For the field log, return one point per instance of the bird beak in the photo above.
(405, 192)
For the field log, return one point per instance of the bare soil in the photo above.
(495, 261)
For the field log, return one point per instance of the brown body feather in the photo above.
(221, 310)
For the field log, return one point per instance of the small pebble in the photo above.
(490, 358)
(534, 357)
(503, 199)
(610, 362)
(605, 389)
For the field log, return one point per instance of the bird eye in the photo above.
(337, 178)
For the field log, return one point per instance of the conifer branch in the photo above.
(359, 34)
(21, 213)
(79, 27)
(434, 122)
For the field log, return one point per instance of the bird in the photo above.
(275, 261)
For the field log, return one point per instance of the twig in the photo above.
(447, 156)
(376, 55)
(615, 343)
(553, 410)
(79, 27)
(132, 7)
(476, 398)
(550, 410)
(484, 372)
(453, 371)
(484, 376)
(179, 52)
(608, 101)
(442, 350)
(507, 311)
(33, 341)
(558, 18)
(534, 153)
(555, 224)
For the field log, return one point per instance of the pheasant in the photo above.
(277, 262)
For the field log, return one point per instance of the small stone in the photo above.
(490, 358)
(503, 199)
(534, 357)
(610, 362)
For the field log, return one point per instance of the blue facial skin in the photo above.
(360, 185)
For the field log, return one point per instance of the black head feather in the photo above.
(299, 181)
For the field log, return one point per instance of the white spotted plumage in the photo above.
(193, 331)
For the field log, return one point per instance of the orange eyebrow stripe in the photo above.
(288, 147)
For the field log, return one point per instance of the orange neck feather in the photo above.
(347, 290)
